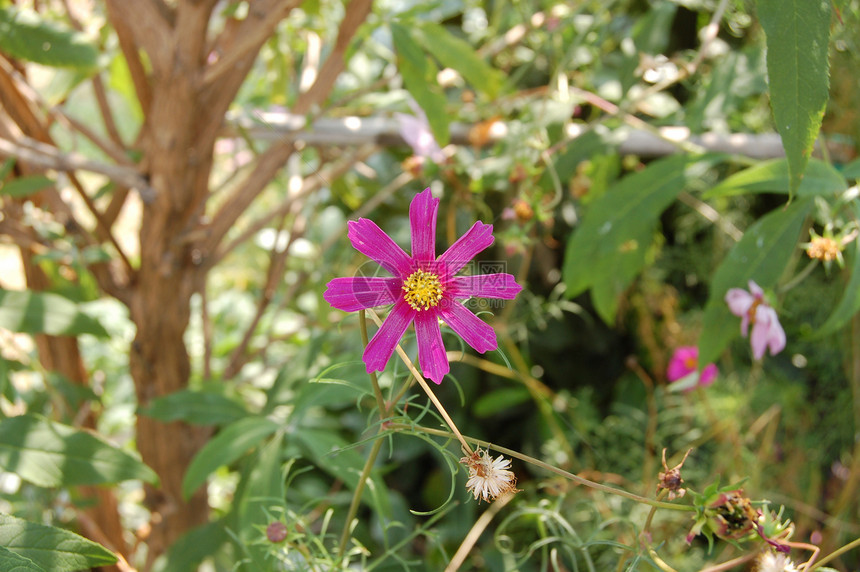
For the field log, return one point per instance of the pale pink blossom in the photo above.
(766, 333)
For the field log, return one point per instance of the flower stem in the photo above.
(538, 463)
(838, 552)
(380, 401)
(374, 450)
(441, 408)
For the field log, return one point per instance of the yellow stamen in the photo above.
(423, 290)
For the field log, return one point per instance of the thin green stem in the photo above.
(380, 400)
(374, 450)
(538, 463)
(356, 497)
(837, 553)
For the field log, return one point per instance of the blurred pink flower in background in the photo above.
(415, 130)
(684, 365)
(752, 309)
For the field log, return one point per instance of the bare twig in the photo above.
(49, 157)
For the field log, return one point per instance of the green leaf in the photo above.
(49, 454)
(798, 35)
(459, 55)
(772, 177)
(228, 445)
(186, 554)
(51, 548)
(852, 169)
(25, 186)
(30, 312)
(25, 35)
(261, 491)
(616, 230)
(500, 400)
(761, 255)
(419, 78)
(849, 304)
(196, 408)
(11, 562)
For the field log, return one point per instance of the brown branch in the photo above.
(310, 185)
(277, 263)
(129, 49)
(49, 157)
(239, 42)
(148, 24)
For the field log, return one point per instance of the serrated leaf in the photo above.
(11, 562)
(761, 255)
(617, 227)
(196, 408)
(30, 312)
(772, 177)
(51, 548)
(419, 78)
(458, 55)
(25, 35)
(49, 454)
(798, 35)
(228, 445)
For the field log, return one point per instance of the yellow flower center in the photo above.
(423, 290)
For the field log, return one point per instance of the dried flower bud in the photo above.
(670, 479)
(276, 531)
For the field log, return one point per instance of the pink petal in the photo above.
(775, 334)
(677, 369)
(370, 240)
(476, 239)
(755, 289)
(758, 338)
(379, 350)
(709, 374)
(431, 351)
(502, 286)
(468, 326)
(739, 301)
(422, 219)
(361, 292)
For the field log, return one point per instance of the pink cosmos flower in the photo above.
(424, 289)
(751, 307)
(684, 363)
(415, 130)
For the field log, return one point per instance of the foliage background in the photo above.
(173, 382)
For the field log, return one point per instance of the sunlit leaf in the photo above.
(798, 64)
(227, 446)
(608, 248)
(51, 548)
(772, 177)
(11, 562)
(459, 55)
(419, 78)
(196, 408)
(26, 35)
(31, 312)
(49, 454)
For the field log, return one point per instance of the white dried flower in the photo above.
(489, 478)
(770, 561)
